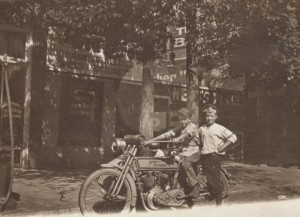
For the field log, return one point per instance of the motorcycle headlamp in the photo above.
(118, 145)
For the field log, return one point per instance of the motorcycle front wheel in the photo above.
(94, 196)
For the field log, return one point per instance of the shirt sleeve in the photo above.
(229, 136)
(170, 134)
(192, 130)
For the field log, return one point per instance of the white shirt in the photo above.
(214, 136)
(192, 141)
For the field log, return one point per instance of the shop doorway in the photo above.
(81, 113)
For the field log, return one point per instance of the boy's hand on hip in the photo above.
(220, 149)
(223, 147)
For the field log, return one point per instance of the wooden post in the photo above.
(27, 101)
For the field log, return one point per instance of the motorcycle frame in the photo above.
(127, 163)
(130, 171)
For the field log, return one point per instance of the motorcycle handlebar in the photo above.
(120, 144)
(159, 141)
(162, 141)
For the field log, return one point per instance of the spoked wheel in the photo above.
(95, 197)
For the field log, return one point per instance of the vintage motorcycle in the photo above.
(129, 179)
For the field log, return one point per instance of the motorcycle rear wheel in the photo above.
(225, 183)
(93, 196)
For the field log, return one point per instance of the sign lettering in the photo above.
(64, 58)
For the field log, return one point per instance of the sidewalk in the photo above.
(43, 191)
(56, 192)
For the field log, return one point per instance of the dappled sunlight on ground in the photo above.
(56, 191)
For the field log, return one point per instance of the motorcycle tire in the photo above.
(225, 183)
(93, 193)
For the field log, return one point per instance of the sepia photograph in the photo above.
(150, 107)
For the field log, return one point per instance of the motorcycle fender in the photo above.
(114, 164)
(133, 190)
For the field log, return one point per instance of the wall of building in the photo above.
(272, 130)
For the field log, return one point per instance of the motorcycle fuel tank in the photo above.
(156, 164)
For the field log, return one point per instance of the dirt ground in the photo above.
(43, 191)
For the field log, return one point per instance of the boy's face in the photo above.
(183, 121)
(210, 118)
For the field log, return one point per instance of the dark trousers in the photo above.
(212, 168)
(187, 166)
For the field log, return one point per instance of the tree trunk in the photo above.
(192, 78)
(147, 101)
(35, 115)
(193, 95)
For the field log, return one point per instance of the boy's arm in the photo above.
(190, 132)
(222, 148)
(164, 136)
(229, 138)
(181, 137)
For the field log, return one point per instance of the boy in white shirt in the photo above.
(215, 139)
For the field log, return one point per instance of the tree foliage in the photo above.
(257, 38)
(138, 27)
(267, 50)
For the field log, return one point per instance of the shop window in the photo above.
(81, 112)
(128, 109)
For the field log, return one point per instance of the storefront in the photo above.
(71, 108)
(79, 109)
(88, 101)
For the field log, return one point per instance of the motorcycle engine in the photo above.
(157, 198)
(169, 198)
(159, 192)
(150, 197)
